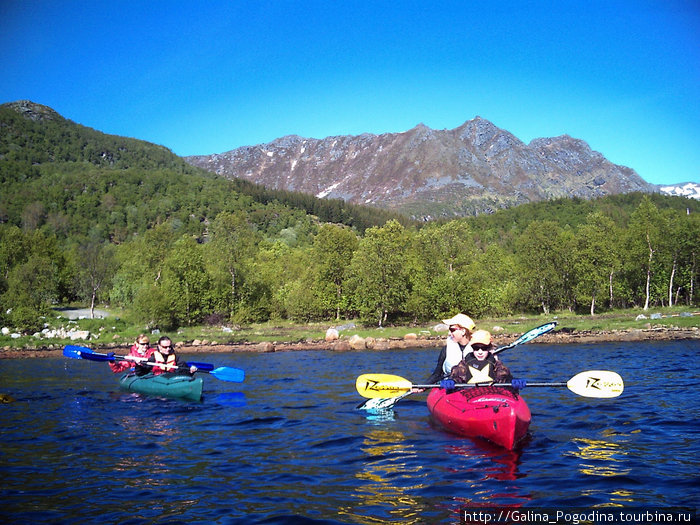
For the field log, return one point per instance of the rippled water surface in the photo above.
(288, 445)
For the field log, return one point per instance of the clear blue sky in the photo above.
(207, 77)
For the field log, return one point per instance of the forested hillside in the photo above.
(87, 217)
(75, 182)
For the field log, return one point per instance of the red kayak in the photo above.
(489, 412)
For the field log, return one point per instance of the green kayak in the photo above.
(166, 385)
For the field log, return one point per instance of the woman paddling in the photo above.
(139, 352)
(456, 346)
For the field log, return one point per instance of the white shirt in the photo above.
(453, 355)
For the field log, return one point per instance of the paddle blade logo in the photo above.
(381, 385)
(597, 383)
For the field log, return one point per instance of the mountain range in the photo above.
(421, 173)
(685, 189)
(426, 173)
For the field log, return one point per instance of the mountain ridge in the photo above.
(426, 173)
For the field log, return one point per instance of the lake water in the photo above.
(290, 447)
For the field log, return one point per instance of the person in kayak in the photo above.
(165, 358)
(139, 352)
(480, 365)
(456, 346)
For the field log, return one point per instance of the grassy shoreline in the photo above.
(112, 331)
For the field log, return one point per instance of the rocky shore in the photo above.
(410, 341)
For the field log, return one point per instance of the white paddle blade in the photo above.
(596, 383)
(381, 385)
(381, 403)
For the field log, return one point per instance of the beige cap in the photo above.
(462, 320)
(480, 337)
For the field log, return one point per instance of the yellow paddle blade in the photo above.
(596, 383)
(382, 385)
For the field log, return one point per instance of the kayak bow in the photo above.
(496, 414)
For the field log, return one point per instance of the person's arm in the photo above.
(438, 373)
(459, 373)
(501, 373)
(119, 366)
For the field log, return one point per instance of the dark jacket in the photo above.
(497, 372)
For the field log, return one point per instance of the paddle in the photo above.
(592, 383)
(389, 402)
(528, 336)
(223, 373)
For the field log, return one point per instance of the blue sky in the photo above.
(207, 77)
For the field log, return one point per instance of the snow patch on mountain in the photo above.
(684, 189)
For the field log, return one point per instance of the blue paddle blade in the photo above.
(225, 373)
(83, 352)
(93, 356)
(204, 367)
(536, 332)
(73, 351)
(378, 403)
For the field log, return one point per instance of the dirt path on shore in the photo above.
(556, 337)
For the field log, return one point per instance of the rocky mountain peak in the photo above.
(426, 173)
(33, 111)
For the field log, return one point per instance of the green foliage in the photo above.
(27, 318)
(379, 276)
(186, 283)
(332, 253)
(99, 218)
(73, 181)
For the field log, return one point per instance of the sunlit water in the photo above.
(292, 448)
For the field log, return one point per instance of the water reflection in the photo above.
(391, 472)
(489, 472)
(231, 399)
(600, 458)
(501, 464)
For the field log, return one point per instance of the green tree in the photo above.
(152, 306)
(497, 285)
(14, 250)
(279, 268)
(538, 253)
(644, 239)
(379, 274)
(332, 253)
(140, 263)
(186, 282)
(95, 270)
(677, 247)
(595, 257)
(442, 270)
(234, 242)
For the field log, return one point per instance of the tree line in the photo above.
(235, 271)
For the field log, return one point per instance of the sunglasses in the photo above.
(479, 347)
(455, 328)
(165, 347)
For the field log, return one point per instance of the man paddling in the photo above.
(165, 359)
